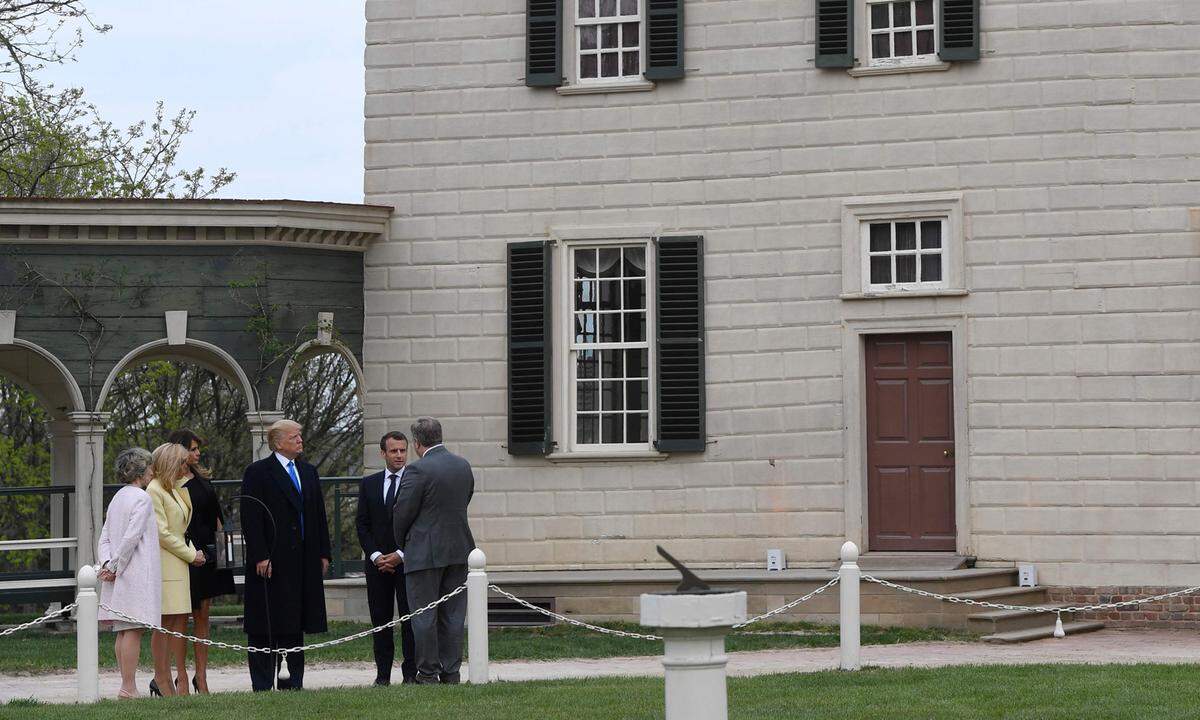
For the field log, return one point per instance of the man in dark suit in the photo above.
(384, 564)
(432, 532)
(287, 555)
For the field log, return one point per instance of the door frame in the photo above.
(854, 400)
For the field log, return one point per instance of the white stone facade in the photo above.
(1074, 144)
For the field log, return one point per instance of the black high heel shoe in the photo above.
(154, 691)
(195, 685)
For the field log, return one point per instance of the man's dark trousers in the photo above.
(438, 632)
(386, 594)
(263, 667)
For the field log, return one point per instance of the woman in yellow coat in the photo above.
(173, 511)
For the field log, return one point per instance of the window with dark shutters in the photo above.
(543, 43)
(664, 32)
(529, 348)
(960, 30)
(835, 33)
(680, 330)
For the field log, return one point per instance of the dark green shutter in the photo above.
(664, 34)
(529, 348)
(680, 329)
(960, 30)
(835, 33)
(543, 43)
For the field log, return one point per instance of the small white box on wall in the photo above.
(776, 560)
(1026, 575)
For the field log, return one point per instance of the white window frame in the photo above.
(576, 85)
(892, 253)
(564, 390)
(857, 215)
(865, 64)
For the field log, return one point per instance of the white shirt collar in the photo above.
(435, 447)
(387, 474)
(283, 461)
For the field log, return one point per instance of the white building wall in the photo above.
(1075, 142)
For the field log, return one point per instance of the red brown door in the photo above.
(910, 442)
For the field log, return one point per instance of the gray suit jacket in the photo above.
(430, 517)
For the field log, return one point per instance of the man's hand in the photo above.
(324, 566)
(392, 560)
(263, 568)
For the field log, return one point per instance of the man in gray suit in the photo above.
(430, 522)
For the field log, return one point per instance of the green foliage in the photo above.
(24, 462)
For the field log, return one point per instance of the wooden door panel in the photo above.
(910, 442)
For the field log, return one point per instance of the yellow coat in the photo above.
(173, 511)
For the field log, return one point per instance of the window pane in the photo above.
(612, 363)
(608, 36)
(904, 44)
(612, 426)
(585, 327)
(585, 263)
(587, 428)
(906, 268)
(585, 295)
(881, 46)
(881, 237)
(635, 363)
(610, 328)
(612, 396)
(587, 396)
(881, 270)
(906, 236)
(900, 14)
(924, 12)
(587, 66)
(609, 66)
(924, 42)
(635, 327)
(585, 364)
(629, 35)
(610, 298)
(879, 16)
(931, 234)
(610, 262)
(637, 428)
(629, 7)
(587, 8)
(931, 268)
(635, 262)
(587, 37)
(608, 8)
(636, 396)
(630, 63)
(635, 294)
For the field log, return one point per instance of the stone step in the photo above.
(1000, 621)
(893, 561)
(1018, 636)
(1010, 595)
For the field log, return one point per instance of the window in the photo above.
(902, 32)
(608, 40)
(902, 245)
(609, 349)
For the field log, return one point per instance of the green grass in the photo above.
(41, 651)
(1037, 692)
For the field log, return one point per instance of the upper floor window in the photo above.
(904, 252)
(871, 37)
(902, 32)
(608, 40)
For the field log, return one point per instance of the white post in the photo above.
(849, 624)
(87, 635)
(693, 629)
(477, 618)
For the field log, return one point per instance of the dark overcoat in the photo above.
(295, 591)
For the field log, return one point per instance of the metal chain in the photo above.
(39, 621)
(792, 604)
(573, 621)
(298, 648)
(1036, 608)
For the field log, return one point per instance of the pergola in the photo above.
(89, 288)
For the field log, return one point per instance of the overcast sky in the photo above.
(277, 86)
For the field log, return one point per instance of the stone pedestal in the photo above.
(693, 629)
(260, 422)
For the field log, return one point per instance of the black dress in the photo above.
(207, 581)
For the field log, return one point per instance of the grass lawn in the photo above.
(41, 650)
(1038, 692)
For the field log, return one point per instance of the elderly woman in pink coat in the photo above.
(129, 564)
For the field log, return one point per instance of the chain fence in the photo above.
(572, 621)
(34, 623)
(792, 604)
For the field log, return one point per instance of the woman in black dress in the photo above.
(207, 581)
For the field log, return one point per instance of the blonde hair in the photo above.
(167, 464)
(277, 430)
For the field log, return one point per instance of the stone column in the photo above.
(693, 629)
(259, 422)
(88, 437)
(62, 474)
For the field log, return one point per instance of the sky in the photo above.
(277, 86)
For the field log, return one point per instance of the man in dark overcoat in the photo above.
(432, 533)
(287, 555)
